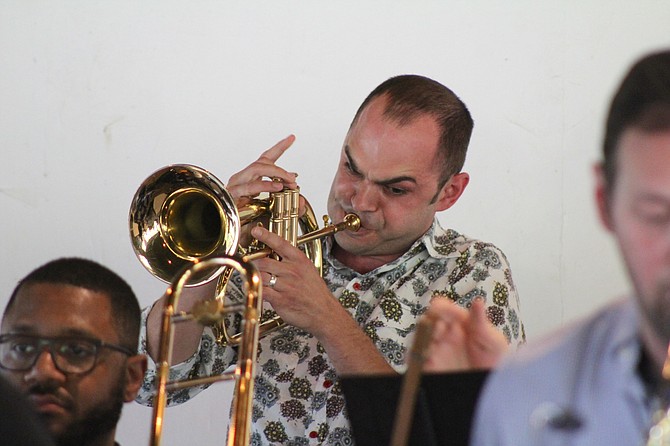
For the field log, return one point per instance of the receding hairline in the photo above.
(400, 122)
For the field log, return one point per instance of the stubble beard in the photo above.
(98, 421)
(658, 309)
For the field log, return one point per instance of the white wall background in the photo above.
(96, 95)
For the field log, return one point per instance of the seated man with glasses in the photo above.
(68, 340)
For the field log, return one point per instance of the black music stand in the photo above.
(443, 414)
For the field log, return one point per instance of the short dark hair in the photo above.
(92, 276)
(642, 101)
(410, 96)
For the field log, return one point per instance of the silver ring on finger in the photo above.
(273, 281)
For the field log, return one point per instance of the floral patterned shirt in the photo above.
(297, 399)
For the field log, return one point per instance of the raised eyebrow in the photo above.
(388, 182)
(396, 180)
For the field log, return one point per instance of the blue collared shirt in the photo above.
(580, 386)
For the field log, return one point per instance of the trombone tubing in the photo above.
(239, 432)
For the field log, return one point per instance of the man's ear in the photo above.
(135, 367)
(602, 196)
(451, 191)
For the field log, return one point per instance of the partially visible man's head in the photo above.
(633, 191)
(642, 101)
(69, 340)
(410, 96)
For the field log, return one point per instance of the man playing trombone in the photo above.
(400, 164)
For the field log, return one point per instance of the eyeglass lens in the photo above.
(70, 355)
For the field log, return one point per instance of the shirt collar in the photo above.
(626, 343)
(440, 242)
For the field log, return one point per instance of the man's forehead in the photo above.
(643, 158)
(62, 307)
(639, 144)
(68, 293)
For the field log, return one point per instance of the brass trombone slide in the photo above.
(240, 423)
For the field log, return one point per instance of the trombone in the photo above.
(240, 423)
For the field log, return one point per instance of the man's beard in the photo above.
(658, 312)
(97, 421)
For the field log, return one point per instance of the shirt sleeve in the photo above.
(482, 271)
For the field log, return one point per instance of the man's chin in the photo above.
(57, 425)
(357, 243)
(658, 314)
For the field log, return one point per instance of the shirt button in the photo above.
(327, 383)
(313, 434)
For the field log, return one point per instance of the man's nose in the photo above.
(44, 369)
(365, 198)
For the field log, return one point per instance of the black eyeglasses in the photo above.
(19, 352)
